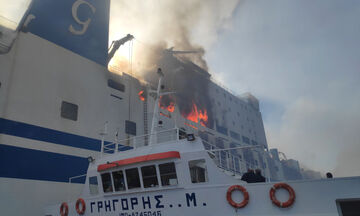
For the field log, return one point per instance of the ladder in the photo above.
(146, 129)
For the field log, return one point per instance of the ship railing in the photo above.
(140, 141)
(76, 177)
(217, 82)
(227, 159)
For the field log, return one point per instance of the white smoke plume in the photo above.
(156, 25)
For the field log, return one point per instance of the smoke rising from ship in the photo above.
(190, 25)
(157, 25)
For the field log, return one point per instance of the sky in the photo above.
(12, 11)
(301, 60)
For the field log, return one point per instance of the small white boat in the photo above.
(176, 175)
(179, 177)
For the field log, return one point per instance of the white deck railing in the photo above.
(226, 159)
(143, 140)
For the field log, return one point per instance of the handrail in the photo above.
(74, 177)
(241, 147)
(218, 157)
(113, 147)
(150, 134)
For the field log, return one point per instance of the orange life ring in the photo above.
(289, 189)
(232, 202)
(64, 209)
(83, 206)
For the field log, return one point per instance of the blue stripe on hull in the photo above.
(23, 163)
(34, 132)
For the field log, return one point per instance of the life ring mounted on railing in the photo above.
(232, 202)
(81, 210)
(64, 209)
(289, 189)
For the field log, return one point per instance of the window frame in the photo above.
(140, 179)
(206, 176)
(125, 180)
(157, 174)
(69, 111)
(114, 84)
(102, 184)
(176, 174)
(160, 186)
(97, 185)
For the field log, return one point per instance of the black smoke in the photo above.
(188, 80)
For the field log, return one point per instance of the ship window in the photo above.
(69, 110)
(130, 127)
(132, 178)
(149, 176)
(168, 174)
(349, 207)
(93, 185)
(106, 182)
(235, 135)
(221, 129)
(245, 139)
(198, 171)
(119, 183)
(116, 85)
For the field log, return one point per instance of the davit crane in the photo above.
(116, 44)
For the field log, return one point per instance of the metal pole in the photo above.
(156, 110)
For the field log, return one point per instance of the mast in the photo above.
(155, 118)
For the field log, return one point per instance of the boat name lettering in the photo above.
(126, 204)
(190, 198)
(136, 203)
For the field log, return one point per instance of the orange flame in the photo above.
(141, 95)
(197, 115)
(170, 107)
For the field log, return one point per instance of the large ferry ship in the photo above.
(60, 102)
